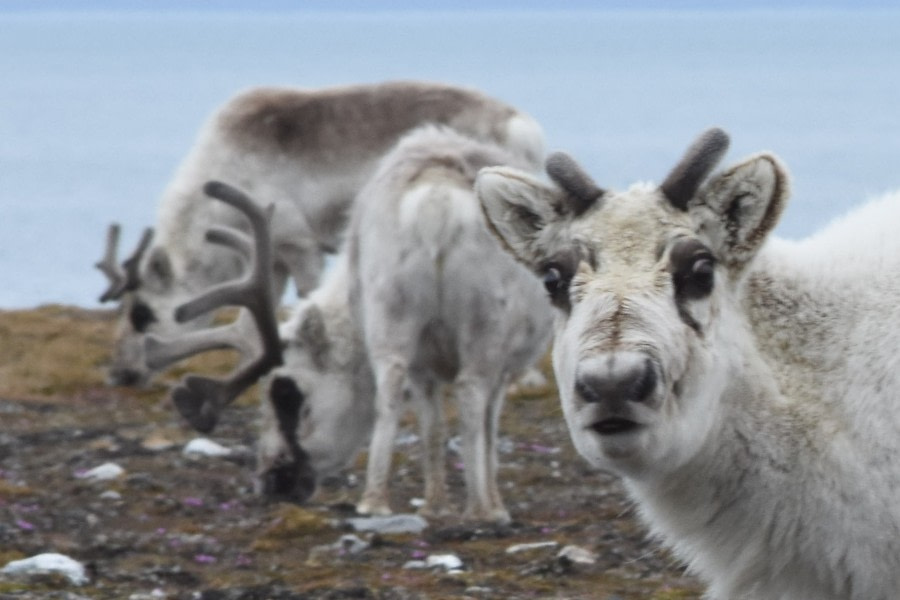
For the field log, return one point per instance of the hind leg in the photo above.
(428, 403)
(479, 410)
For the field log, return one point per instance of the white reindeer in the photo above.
(307, 152)
(747, 392)
(423, 295)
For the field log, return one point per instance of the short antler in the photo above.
(699, 160)
(124, 277)
(569, 175)
(200, 399)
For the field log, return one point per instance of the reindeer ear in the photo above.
(313, 335)
(159, 274)
(518, 209)
(738, 208)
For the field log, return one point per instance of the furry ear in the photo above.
(519, 208)
(158, 274)
(738, 208)
(313, 335)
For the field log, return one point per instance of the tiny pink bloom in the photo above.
(23, 524)
(204, 559)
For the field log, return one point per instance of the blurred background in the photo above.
(100, 101)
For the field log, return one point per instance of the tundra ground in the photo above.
(183, 527)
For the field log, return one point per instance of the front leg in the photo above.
(389, 378)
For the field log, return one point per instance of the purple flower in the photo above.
(204, 559)
(23, 524)
(193, 501)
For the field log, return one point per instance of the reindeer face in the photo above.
(644, 281)
(140, 314)
(143, 285)
(320, 383)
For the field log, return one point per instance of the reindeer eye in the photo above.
(141, 317)
(553, 280)
(556, 282)
(693, 269)
(700, 281)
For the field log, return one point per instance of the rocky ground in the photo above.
(180, 526)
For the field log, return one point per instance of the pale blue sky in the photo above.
(382, 5)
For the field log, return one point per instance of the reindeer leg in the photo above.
(476, 398)
(389, 377)
(428, 403)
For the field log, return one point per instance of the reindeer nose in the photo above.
(291, 481)
(616, 378)
(125, 377)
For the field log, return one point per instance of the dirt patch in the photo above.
(182, 527)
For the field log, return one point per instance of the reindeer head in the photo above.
(645, 285)
(144, 286)
(327, 383)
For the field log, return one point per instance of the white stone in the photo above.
(48, 563)
(449, 562)
(389, 524)
(532, 546)
(104, 472)
(205, 447)
(578, 555)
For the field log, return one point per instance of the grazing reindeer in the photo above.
(747, 392)
(423, 295)
(306, 152)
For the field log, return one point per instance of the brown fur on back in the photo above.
(302, 123)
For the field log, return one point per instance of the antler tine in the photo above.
(108, 264)
(701, 158)
(232, 238)
(132, 264)
(124, 277)
(583, 192)
(199, 399)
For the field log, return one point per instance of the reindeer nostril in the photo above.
(646, 383)
(615, 381)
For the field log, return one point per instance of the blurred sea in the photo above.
(97, 109)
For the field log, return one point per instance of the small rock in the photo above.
(104, 472)
(389, 524)
(111, 495)
(205, 447)
(48, 563)
(532, 546)
(347, 544)
(449, 562)
(577, 555)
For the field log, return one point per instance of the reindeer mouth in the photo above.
(615, 426)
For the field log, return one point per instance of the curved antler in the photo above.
(583, 192)
(701, 158)
(124, 277)
(200, 399)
